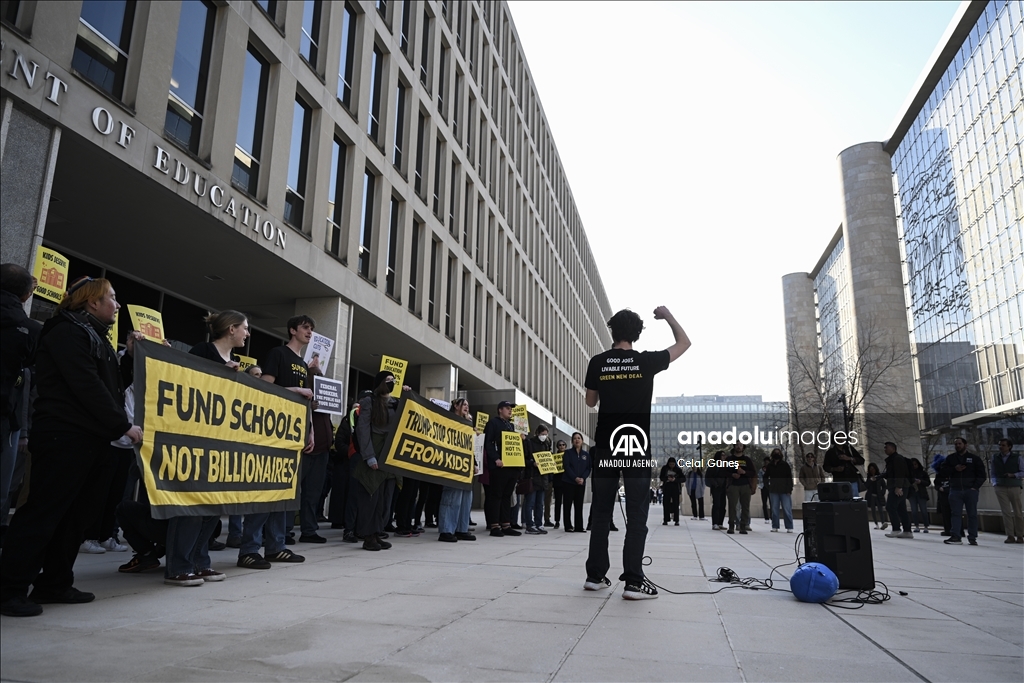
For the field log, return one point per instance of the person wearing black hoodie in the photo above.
(78, 412)
(897, 480)
(966, 472)
(18, 338)
(671, 486)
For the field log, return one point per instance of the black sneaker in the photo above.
(465, 536)
(139, 563)
(285, 556)
(592, 584)
(20, 607)
(556, 525)
(972, 541)
(511, 532)
(371, 543)
(350, 537)
(216, 545)
(234, 542)
(70, 596)
(730, 531)
(253, 561)
(532, 530)
(644, 590)
(953, 540)
(384, 545)
(312, 538)
(496, 532)
(289, 540)
(448, 538)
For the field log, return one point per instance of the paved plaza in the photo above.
(513, 609)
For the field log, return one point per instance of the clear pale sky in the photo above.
(700, 143)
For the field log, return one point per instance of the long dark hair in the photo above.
(873, 465)
(915, 461)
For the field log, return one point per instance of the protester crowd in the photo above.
(68, 400)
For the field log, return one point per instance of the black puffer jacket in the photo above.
(18, 338)
(78, 380)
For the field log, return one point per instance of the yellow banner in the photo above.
(51, 273)
(557, 458)
(147, 321)
(545, 462)
(431, 444)
(397, 367)
(215, 441)
(521, 419)
(481, 421)
(512, 450)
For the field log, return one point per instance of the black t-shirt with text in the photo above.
(625, 381)
(286, 367)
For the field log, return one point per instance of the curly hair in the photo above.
(625, 326)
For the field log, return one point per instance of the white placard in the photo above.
(320, 347)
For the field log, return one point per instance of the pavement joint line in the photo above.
(880, 646)
(961, 621)
(565, 657)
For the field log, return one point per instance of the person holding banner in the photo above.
(378, 416)
(456, 503)
(503, 476)
(79, 410)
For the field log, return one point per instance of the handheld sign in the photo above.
(557, 458)
(329, 395)
(319, 347)
(147, 321)
(545, 462)
(245, 362)
(481, 422)
(512, 450)
(51, 274)
(215, 441)
(112, 332)
(397, 367)
(431, 444)
(521, 419)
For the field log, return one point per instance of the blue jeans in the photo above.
(453, 514)
(957, 499)
(253, 532)
(919, 510)
(533, 509)
(234, 526)
(786, 501)
(188, 544)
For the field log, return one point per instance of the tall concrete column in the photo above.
(439, 381)
(889, 406)
(333, 318)
(801, 351)
(28, 156)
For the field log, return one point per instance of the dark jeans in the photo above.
(572, 501)
(533, 509)
(339, 491)
(739, 505)
(919, 510)
(876, 504)
(696, 506)
(188, 544)
(313, 471)
(637, 491)
(898, 515)
(958, 498)
(497, 505)
(263, 529)
(942, 503)
(718, 497)
(146, 536)
(71, 473)
(406, 502)
(671, 508)
(766, 502)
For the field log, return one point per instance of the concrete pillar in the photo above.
(439, 381)
(889, 407)
(801, 352)
(333, 318)
(28, 156)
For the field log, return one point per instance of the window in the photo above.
(450, 295)
(269, 6)
(382, 8)
(420, 147)
(451, 197)
(414, 264)
(457, 101)
(432, 288)
(366, 224)
(438, 149)
(10, 11)
(187, 97)
(339, 152)
(101, 48)
(442, 72)
(310, 31)
(389, 281)
(252, 109)
(425, 52)
(347, 61)
(399, 145)
(376, 78)
(406, 17)
(298, 162)
(464, 314)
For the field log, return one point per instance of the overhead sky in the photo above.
(700, 143)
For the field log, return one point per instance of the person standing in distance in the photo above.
(620, 383)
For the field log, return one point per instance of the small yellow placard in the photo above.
(51, 273)
(545, 462)
(147, 321)
(397, 367)
(512, 450)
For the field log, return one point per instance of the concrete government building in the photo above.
(911, 321)
(385, 167)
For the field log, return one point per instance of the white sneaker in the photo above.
(775, 531)
(905, 534)
(596, 584)
(893, 534)
(92, 548)
(113, 546)
(789, 531)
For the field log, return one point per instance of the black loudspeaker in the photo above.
(836, 490)
(836, 534)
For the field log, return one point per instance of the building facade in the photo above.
(918, 300)
(385, 167)
(672, 415)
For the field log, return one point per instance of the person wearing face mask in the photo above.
(79, 410)
(533, 501)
